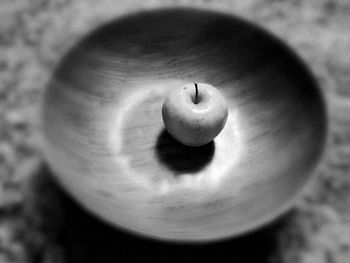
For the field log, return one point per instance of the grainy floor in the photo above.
(38, 223)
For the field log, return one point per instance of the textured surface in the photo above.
(39, 224)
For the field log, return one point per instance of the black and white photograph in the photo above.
(174, 131)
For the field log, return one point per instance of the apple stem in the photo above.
(196, 97)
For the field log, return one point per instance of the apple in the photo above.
(195, 113)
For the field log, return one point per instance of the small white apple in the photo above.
(194, 114)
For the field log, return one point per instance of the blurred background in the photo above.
(39, 223)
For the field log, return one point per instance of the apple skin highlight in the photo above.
(194, 114)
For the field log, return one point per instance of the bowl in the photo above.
(105, 139)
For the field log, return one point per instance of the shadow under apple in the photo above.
(180, 158)
(83, 238)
